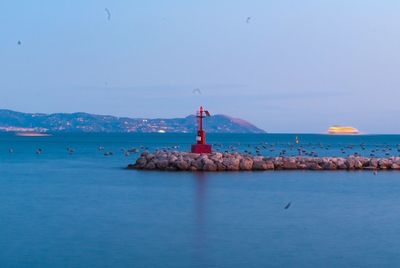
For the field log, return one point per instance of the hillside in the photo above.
(84, 122)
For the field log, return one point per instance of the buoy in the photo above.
(297, 139)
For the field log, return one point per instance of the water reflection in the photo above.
(200, 214)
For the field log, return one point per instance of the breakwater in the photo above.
(185, 161)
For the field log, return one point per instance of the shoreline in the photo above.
(185, 161)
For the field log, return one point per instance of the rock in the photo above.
(270, 165)
(246, 164)
(149, 156)
(314, 166)
(150, 166)
(259, 165)
(329, 166)
(198, 164)
(289, 165)
(162, 164)
(204, 158)
(207, 162)
(396, 160)
(210, 167)
(216, 157)
(231, 163)
(350, 163)
(193, 155)
(192, 168)
(188, 160)
(341, 166)
(364, 161)
(395, 166)
(301, 166)
(220, 166)
(278, 163)
(162, 160)
(172, 159)
(182, 165)
(341, 163)
(141, 162)
(358, 164)
(373, 162)
(383, 163)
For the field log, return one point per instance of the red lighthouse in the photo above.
(201, 147)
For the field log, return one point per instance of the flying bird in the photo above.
(248, 19)
(207, 113)
(19, 42)
(108, 13)
(196, 90)
(288, 205)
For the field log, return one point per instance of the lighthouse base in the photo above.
(201, 148)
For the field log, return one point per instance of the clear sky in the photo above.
(296, 66)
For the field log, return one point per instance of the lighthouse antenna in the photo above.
(201, 118)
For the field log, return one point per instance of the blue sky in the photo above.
(297, 66)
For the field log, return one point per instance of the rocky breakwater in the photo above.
(235, 161)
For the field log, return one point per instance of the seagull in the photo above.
(288, 205)
(248, 19)
(19, 42)
(196, 90)
(108, 13)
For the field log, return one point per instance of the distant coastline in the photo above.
(42, 124)
(32, 134)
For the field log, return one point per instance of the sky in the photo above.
(295, 66)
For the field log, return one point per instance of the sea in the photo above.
(68, 200)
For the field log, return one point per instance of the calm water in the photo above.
(87, 210)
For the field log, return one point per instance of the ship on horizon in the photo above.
(343, 130)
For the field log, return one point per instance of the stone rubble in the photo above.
(185, 161)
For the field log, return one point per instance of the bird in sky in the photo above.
(248, 19)
(196, 90)
(19, 42)
(288, 205)
(108, 13)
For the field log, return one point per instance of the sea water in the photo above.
(85, 209)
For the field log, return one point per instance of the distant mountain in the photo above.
(84, 122)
